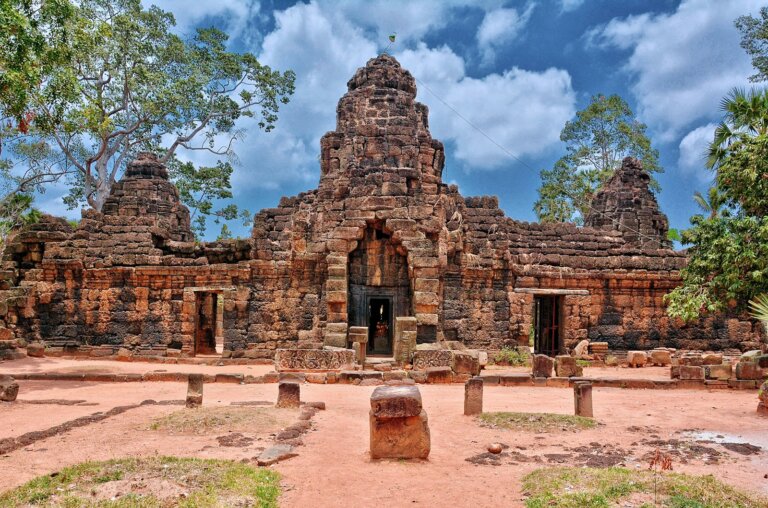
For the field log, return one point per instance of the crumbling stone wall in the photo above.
(126, 280)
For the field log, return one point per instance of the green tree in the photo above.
(597, 140)
(728, 259)
(711, 204)
(16, 211)
(202, 188)
(754, 40)
(134, 85)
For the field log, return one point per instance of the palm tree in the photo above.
(746, 115)
(759, 305)
(713, 203)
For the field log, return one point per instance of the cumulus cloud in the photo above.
(500, 27)
(237, 15)
(693, 151)
(523, 111)
(681, 63)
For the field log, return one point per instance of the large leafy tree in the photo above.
(131, 84)
(596, 141)
(728, 260)
(754, 40)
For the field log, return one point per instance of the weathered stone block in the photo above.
(543, 366)
(439, 375)
(566, 366)
(722, 372)
(711, 359)
(288, 395)
(688, 372)
(465, 363)
(636, 358)
(473, 396)
(396, 402)
(748, 371)
(314, 359)
(661, 357)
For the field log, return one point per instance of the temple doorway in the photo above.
(380, 326)
(208, 337)
(547, 327)
(379, 289)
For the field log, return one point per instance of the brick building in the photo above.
(381, 238)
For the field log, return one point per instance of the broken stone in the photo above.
(566, 366)
(543, 366)
(688, 372)
(275, 454)
(581, 349)
(288, 394)
(636, 358)
(661, 357)
(9, 389)
(36, 349)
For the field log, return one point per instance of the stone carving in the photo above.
(422, 360)
(313, 359)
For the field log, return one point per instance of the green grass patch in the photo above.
(204, 420)
(536, 422)
(149, 483)
(511, 357)
(570, 487)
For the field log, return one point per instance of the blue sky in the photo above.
(518, 70)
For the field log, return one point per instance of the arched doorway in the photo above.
(379, 289)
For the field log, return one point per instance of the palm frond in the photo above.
(759, 307)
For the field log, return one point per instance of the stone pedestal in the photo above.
(9, 389)
(473, 396)
(543, 366)
(582, 398)
(195, 390)
(288, 394)
(399, 426)
(358, 336)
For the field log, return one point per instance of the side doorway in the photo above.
(208, 323)
(547, 325)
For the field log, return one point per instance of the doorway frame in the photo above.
(189, 316)
(390, 321)
(557, 323)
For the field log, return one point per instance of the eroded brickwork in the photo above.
(129, 280)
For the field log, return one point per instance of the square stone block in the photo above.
(396, 402)
(400, 438)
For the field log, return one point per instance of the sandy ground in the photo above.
(87, 365)
(333, 467)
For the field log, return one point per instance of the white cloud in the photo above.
(693, 151)
(681, 63)
(237, 14)
(570, 5)
(523, 111)
(499, 27)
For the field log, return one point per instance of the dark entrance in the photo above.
(546, 325)
(380, 326)
(205, 323)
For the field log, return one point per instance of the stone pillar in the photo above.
(405, 339)
(194, 390)
(582, 398)
(399, 426)
(473, 396)
(543, 366)
(358, 335)
(288, 394)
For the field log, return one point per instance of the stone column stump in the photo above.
(399, 426)
(582, 398)
(473, 396)
(358, 335)
(543, 366)
(762, 406)
(288, 395)
(194, 390)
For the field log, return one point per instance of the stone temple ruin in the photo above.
(382, 243)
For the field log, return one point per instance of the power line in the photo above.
(526, 165)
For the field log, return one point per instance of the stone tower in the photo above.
(625, 203)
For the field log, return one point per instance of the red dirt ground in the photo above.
(333, 468)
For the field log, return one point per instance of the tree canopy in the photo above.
(127, 83)
(728, 260)
(601, 135)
